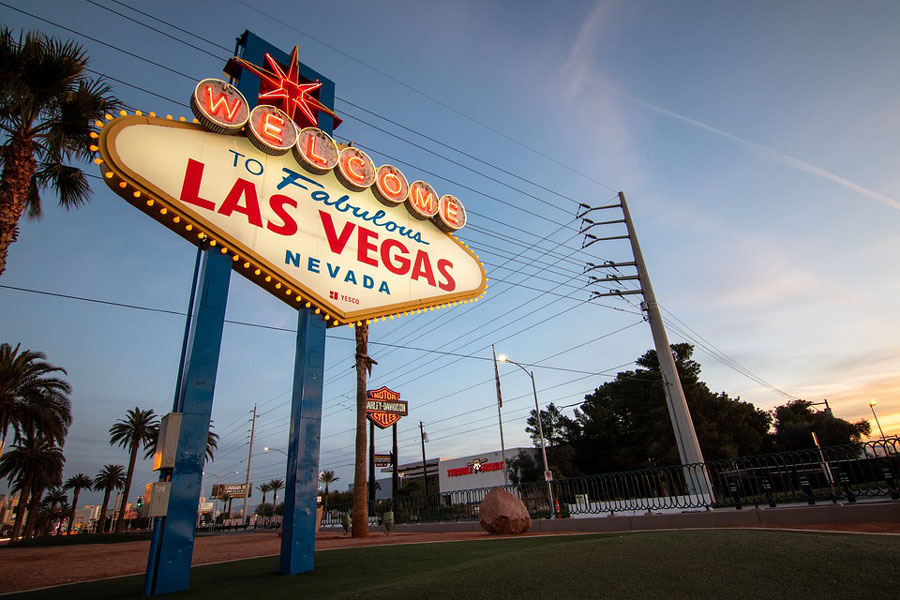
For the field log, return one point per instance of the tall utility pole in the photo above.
(500, 416)
(249, 458)
(424, 463)
(696, 478)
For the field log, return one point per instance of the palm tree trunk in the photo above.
(72, 512)
(32, 512)
(274, 498)
(101, 525)
(121, 520)
(18, 171)
(20, 510)
(325, 501)
(360, 505)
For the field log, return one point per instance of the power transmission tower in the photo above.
(696, 476)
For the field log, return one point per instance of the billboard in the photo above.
(224, 491)
(314, 223)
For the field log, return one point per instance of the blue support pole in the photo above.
(298, 529)
(172, 545)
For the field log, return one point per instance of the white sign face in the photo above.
(305, 237)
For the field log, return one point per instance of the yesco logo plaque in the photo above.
(314, 223)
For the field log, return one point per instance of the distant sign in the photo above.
(548, 475)
(384, 460)
(478, 465)
(230, 490)
(384, 407)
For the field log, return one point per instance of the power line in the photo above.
(429, 97)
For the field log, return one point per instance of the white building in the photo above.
(482, 470)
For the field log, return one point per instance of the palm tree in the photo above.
(32, 397)
(46, 472)
(275, 485)
(55, 497)
(327, 477)
(50, 514)
(76, 483)
(111, 477)
(30, 467)
(135, 430)
(265, 488)
(48, 108)
(212, 443)
(364, 364)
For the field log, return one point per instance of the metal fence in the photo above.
(832, 474)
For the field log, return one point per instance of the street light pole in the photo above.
(500, 416)
(872, 404)
(504, 358)
(249, 460)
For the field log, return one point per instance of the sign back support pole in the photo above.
(298, 530)
(172, 545)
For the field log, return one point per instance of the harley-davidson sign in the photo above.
(315, 224)
(384, 407)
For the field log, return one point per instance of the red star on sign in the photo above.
(284, 90)
(288, 91)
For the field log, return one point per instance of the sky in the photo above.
(755, 143)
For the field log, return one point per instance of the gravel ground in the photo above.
(30, 568)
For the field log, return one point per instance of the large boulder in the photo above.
(501, 512)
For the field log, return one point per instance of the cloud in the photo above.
(579, 64)
(769, 153)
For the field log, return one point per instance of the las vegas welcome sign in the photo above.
(314, 223)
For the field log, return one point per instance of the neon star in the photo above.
(286, 92)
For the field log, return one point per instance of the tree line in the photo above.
(36, 414)
(624, 424)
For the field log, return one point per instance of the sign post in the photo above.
(172, 543)
(395, 479)
(298, 529)
(383, 408)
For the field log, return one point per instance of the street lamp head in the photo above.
(873, 402)
(503, 358)
(266, 449)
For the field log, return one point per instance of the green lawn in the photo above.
(683, 564)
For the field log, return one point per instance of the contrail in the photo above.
(790, 161)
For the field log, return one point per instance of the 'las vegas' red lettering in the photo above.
(289, 226)
(365, 246)
(242, 189)
(190, 189)
(422, 268)
(444, 266)
(397, 264)
(335, 242)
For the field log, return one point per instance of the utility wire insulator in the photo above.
(615, 293)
